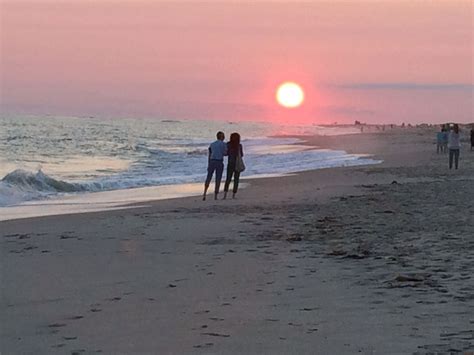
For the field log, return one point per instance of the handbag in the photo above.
(239, 163)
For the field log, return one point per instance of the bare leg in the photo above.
(230, 172)
(205, 192)
(236, 184)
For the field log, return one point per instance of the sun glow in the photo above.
(290, 95)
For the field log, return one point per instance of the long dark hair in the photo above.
(234, 141)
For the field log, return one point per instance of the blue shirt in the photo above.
(440, 137)
(218, 149)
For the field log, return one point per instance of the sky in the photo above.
(372, 61)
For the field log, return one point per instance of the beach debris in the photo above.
(67, 237)
(337, 252)
(327, 219)
(415, 280)
(294, 238)
(216, 319)
(207, 345)
(360, 253)
(355, 256)
(114, 299)
(409, 278)
(217, 335)
(69, 338)
(295, 324)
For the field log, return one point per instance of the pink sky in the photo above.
(385, 61)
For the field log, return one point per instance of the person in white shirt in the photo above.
(217, 151)
(454, 146)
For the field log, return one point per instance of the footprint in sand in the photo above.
(113, 299)
(56, 325)
(202, 312)
(295, 324)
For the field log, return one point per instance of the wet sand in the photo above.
(370, 259)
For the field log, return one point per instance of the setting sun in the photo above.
(290, 95)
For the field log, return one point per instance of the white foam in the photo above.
(98, 201)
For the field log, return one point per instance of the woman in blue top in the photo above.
(234, 148)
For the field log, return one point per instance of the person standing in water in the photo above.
(454, 146)
(234, 150)
(217, 151)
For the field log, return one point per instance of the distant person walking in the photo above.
(440, 141)
(234, 164)
(217, 151)
(445, 138)
(472, 138)
(454, 146)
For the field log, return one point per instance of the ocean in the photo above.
(49, 158)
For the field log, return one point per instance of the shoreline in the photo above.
(306, 263)
(101, 201)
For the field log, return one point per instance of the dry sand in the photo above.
(372, 260)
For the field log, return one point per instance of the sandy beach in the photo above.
(373, 259)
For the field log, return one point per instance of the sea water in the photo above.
(50, 158)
